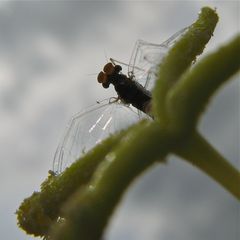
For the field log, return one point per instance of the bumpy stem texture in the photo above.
(85, 195)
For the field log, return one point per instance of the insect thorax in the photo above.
(130, 91)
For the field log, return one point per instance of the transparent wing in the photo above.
(90, 127)
(146, 56)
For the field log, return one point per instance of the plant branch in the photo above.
(201, 154)
(180, 58)
(190, 95)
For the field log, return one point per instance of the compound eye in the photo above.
(108, 68)
(102, 77)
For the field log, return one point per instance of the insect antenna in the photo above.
(106, 55)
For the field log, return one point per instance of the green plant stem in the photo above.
(190, 95)
(180, 58)
(42, 208)
(88, 211)
(201, 154)
(53, 194)
(91, 187)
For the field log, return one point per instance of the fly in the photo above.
(129, 91)
(133, 101)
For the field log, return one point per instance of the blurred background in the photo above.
(48, 51)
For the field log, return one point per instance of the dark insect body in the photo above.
(89, 127)
(129, 91)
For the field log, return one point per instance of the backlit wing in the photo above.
(90, 127)
(146, 56)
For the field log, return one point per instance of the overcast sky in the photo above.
(49, 49)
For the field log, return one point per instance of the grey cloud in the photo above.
(184, 203)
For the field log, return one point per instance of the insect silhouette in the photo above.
(133, 101)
